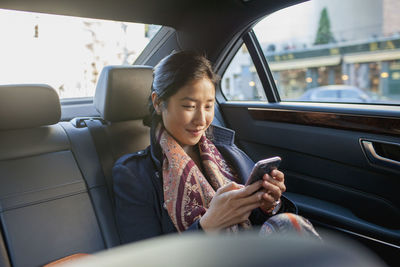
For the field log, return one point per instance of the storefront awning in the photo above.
(311, 62)
(372, 56)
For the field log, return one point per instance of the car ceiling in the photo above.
(206, 25)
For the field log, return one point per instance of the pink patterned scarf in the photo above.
(187, 192)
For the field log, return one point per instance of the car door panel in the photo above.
(327, 172)
(382, 154)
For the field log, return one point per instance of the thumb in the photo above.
(229, 187)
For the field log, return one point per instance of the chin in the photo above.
(192, 141)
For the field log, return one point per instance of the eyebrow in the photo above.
(194, 100)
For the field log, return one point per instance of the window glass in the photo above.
(353, 45)
(349, 94)
(67, 53)
(326, 94)
(240, 81)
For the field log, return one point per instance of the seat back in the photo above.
(46, 211)
(121, 98)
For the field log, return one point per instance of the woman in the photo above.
(191, 176)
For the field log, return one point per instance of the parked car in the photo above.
(341, 162)
(335, 93)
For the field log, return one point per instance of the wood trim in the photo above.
(364, 123)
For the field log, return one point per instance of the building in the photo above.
(365, 51)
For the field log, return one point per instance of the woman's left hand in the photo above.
(274, 186)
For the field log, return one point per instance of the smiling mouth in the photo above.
(195, 132)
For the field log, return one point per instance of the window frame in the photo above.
(249, 38)
(223, 62)
(261, 65)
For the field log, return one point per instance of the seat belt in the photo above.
(104, 150)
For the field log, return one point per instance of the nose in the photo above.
(200, 117)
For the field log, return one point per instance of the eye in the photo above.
(188, 106)
(210, 106)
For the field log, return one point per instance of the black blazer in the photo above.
(138, 189)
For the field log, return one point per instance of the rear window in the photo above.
(67, 53)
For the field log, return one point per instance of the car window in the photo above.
(349, 94)
(346, 43)
(240, 80)
(67, 53)
(326, 94)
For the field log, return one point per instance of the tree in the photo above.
(324, 34)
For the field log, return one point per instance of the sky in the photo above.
(276, 30)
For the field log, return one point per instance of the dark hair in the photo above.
(172, 73)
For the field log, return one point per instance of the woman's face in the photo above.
(189, 112)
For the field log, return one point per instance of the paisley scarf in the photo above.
(187, 191)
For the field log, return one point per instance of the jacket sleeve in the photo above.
(135, 208)
(195, 227)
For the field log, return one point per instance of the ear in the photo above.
(156, 102)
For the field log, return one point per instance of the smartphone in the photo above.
(262, 167)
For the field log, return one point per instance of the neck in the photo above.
(193, 152)
(190, 149)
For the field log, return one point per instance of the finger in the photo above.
(245, 211)
(267, 206)
(250, 189)
(275, 175)
(238, 219)
(268, 201)
(278, 175)
(251, 207)
(228, 187)
(272, 190)
(255, 199)
(282, 187)
(275, 182)
(270, 179)
(237, 186)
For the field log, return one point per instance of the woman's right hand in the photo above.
(232, 204)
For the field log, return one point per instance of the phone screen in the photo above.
(262, 167)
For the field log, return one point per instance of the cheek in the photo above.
(176, 119)
(184, 117)
(210, 117)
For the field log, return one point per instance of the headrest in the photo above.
(122, 92)
(28, 106)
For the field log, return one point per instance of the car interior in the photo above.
(341, 161)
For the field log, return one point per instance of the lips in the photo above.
(195, 132)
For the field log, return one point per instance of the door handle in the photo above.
(380, 160)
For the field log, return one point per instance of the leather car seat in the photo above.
(46, 212)
(121, 98)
